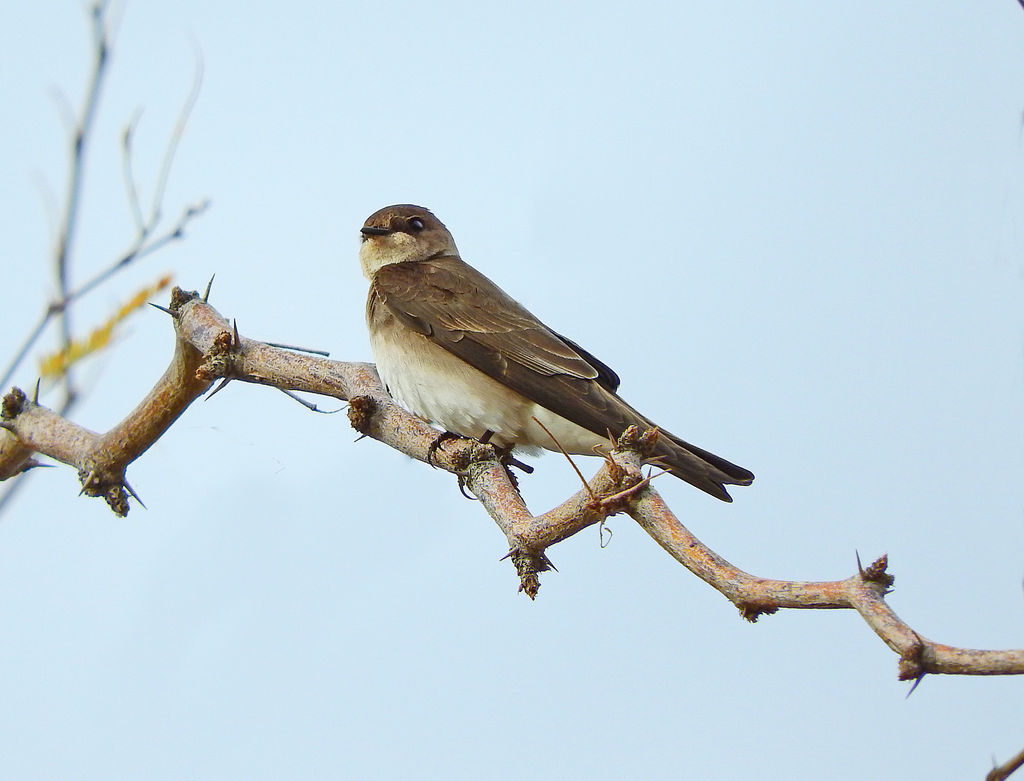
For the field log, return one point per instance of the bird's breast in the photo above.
(442, 388)
(431, 382)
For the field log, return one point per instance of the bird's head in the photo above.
(402, 234)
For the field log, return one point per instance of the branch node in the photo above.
(217, 360)
(751, 611)
(648, 441)
(528, 566)
(875, 573)
(360, 411)
(181, 297)
(110, 487)
(13, 404)
(911, 664)
(620, 500)
(117, 500)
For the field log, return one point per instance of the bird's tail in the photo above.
(698, 467)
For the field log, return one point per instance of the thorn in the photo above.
(237, 339)
(917, 681)
(860, 567)
(360, 437)
(307, 404)
(206, 295)
(218, 389)
(311, 351)
(134, 495)
(35, 396)
(164, 309)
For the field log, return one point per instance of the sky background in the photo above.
(793, 228)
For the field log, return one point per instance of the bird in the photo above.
(456, 350)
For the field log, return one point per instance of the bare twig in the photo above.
(568, 458)
(174, 141)
(143, 243)
(73, 195)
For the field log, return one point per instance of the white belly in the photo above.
(447, 391)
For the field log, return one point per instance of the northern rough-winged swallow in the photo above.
(455, 349)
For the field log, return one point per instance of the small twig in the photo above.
(175, 233)
(137, 251)
(129, 176)
(572, 463)
(175, 140)
(73, 196)
(25, 347)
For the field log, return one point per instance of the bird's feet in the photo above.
(508, 461)
(443, 437)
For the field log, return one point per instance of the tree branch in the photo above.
(207, 348)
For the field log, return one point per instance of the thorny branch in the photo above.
(144, 243)
(208, 348)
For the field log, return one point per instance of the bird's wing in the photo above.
(461, 310)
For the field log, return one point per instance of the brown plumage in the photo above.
(456, 349)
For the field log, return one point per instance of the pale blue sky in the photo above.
(794, 229)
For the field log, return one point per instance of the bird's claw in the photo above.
(444, 436)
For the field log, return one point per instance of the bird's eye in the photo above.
(416, 223)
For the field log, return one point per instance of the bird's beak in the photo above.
(369, 230)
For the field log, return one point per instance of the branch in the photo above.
(1003, 771)
(207, 348)
(73, 197)
(143, 243)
